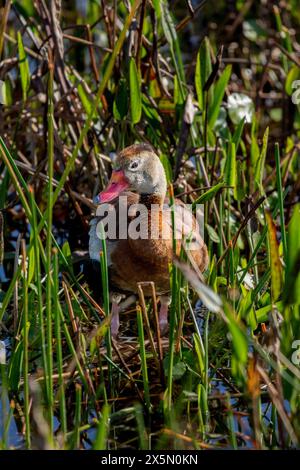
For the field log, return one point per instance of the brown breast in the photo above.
(141, 260)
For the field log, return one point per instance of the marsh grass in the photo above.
(225, 376)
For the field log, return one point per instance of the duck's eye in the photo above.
(133, 165)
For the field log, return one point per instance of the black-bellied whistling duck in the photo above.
(139, 178)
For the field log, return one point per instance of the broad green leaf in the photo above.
(238, 336)
(221, 125)
(292, 76)
(120, 106)
(275, 263)
(167, 167)
(154, 89)
(151, 112)
(262, 314)
(240, 106)
(169, 29)
(178, 98)
(8, 92)
(260, 164)
(219, 91)
(66, 250)
(236, 138)
(24, 67)
(246, 310)
(135, 92)
(156, 4)
(203, 400)
(167, 23)
(200, 354)
(239, 342)
(212, 234)
(100, 442)
(179, 369)
(209, 194)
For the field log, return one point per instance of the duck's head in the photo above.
(137, 168)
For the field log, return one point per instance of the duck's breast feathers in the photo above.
(122, 203)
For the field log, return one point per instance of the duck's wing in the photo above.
(188, 232)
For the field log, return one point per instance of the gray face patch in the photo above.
(148, 177)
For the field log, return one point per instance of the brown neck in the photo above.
(152, 247)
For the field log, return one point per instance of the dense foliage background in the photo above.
(214, 87)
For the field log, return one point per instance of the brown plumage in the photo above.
(136, 259)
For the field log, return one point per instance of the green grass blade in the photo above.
(219, 91)
(143, 358)
(24, 67)
(102, 430)
(49, 245)
(135, 92)
(59, 352)
(280, 198)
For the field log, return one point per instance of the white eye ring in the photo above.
(134, 165)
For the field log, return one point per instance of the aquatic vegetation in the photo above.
(216, 94)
